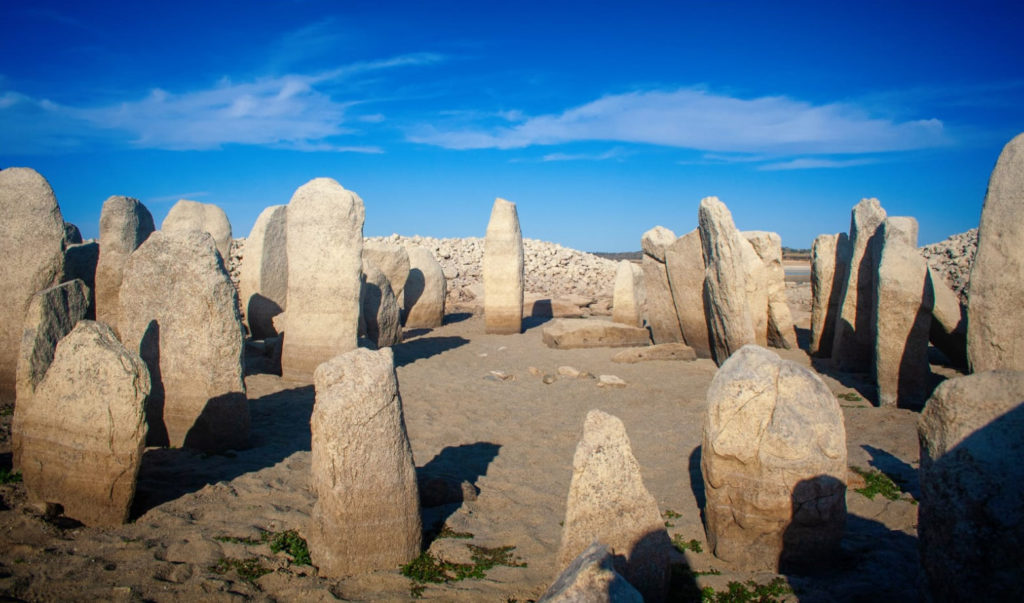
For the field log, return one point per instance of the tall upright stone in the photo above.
(684, 262)
(903, 307)
(179, 312)
(82, 434)
(608, 503)
(263, 275)
(971, 516)
(186, 216)
(949, 321)
(503, 270)
(853, 344)
(425, 289)
(124, 224)
(629, 295)
(32, 247)
(995, 315)
(730, 326)
(367, 514)
(659, 306)
(780, 331)
(391, 259)
(380, 309)
(830, 262)
(51, 315)
(325, 243)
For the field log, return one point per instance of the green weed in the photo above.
(877, 483)
(751, 592)
(10, 477)
(290, 542)
(683, 545)
(247, 569)
(427, 569)
(447, 532)
(849, 397)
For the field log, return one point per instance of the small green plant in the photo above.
(7, 410)
(247, 569)
(487, 558)
(429, 569)
(669, 514)
(238, 540)
(9, 477)
(290, 542)
(751, 592)
(447, 532)
(849, 397)
(877, 483)
(683, 545)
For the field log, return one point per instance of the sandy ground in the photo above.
(513, 440)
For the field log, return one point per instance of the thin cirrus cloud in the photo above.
(807, 163)
(695, 118)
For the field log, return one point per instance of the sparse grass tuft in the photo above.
(849, 397)
(751, 592)
(669, 515)
(247, 569)
(447, 532)
(429, 569)
(877, 483)
(290, 542)
(683, 545)
(10, 477)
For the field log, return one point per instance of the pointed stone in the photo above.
(830, 261)
(425, 290)
(591, 578)
(780, 331)
(503, 271)
(629, 295)
(187, 216)
(124, 224)
(263, 274)
(380, 309)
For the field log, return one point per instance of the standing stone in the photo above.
(392, 260)
(124, 224)
(995, 323)
(82, 434)
(188, 216)
(367, 511)
(608, 503)
(629, 296)
(774, 464)
(903, 307)
(72, 235)
(263, 275)
(660, 309)
(830, 262)
(80, 262)
(380, 309)
(756, 279)
(971, 515)
(325, 242)
(949, 321)
(51, 315)
(179, 311)
(425, 290)
(503, 271)
(854, 344)
(780, 330)
(684, 262)
(725, 282)
(591, 578)
(32, 247)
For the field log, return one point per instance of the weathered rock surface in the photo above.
(51, 315)
(684, 261)
(608, 503)
(80, 262)
(392, 260)
(774, 464)
(124, 224)
(380, 309)
(591, 578)
(971, 514)
(658, 351)
(660, 310)
(730, 325)
(179, 312)
(655, 241)
(949, 321)
(830, 261)
(72, 235)
(853, 345)
(535, 305)
(367, 513)
(425, 291)
(503, 270)
(325, 228)
(952, 259)
(630, 296)
(263, 273)
(82, 433)
(995, 316)
(780, 332)
(568, 333)
(186, 216)
(32, 245)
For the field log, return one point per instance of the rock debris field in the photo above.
(190, 416)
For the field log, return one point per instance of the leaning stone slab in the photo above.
(380, 309)
(569, 333)
(124, 224)
(263, 274)
(971, 514)
(51, 315)
(186, 216)
(503, 270)
(830, 261)
(995, 322)
(853, 344)
(367, 512)
(179, 312)
(629, 296)
(425, 290)
(684, 262)
(32, 247)
(780, 330)
(82, 433)
(660, 309)
(325, 229)
(949, 321)
(608, 503)
(591, 577)
(774, 464)
(392, 260)
(658, 351)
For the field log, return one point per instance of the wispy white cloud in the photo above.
(615, 153)
(807, 163)
(695, 118)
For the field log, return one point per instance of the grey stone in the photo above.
(380, 309)
(658, 351)
(949, 321)
(186, 216)
(830, 262)
(726, 298)
(591, 578)
(780, 331)
(391, 259)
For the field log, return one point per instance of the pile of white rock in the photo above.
(953, 258)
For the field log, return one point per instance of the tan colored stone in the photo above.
(629, 295)
(656, 241)
(727, 260)
(392, 260)
(425, 289)
(380, 309)
(32, 246)
(83, 432)
(179, 312)
(660, 308)
(263, 274)
(568, 333)
(503, 270)
(658, 351)
(186, 216)
(124, 224)
(949, 321)
(995, 314)
(830, 261)
(780, 330)
(608, 503)
(854, 343)
(367, 512)
(774, 464)
(591, 578)
(684, 262)
(538, 305)
(325, 242)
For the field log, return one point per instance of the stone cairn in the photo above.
(503, 270)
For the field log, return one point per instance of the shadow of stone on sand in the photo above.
(448, 480)
(408, 352)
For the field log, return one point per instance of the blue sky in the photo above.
(599, 119)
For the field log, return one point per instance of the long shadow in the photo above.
(531, 322)
(803, 339)
(448, 479)
(279, 428)
(902, 474)
(697, 482)
(410, 351)
(457, 317)
(857, 381)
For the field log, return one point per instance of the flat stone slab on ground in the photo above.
(569, 333)
(659, 351)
